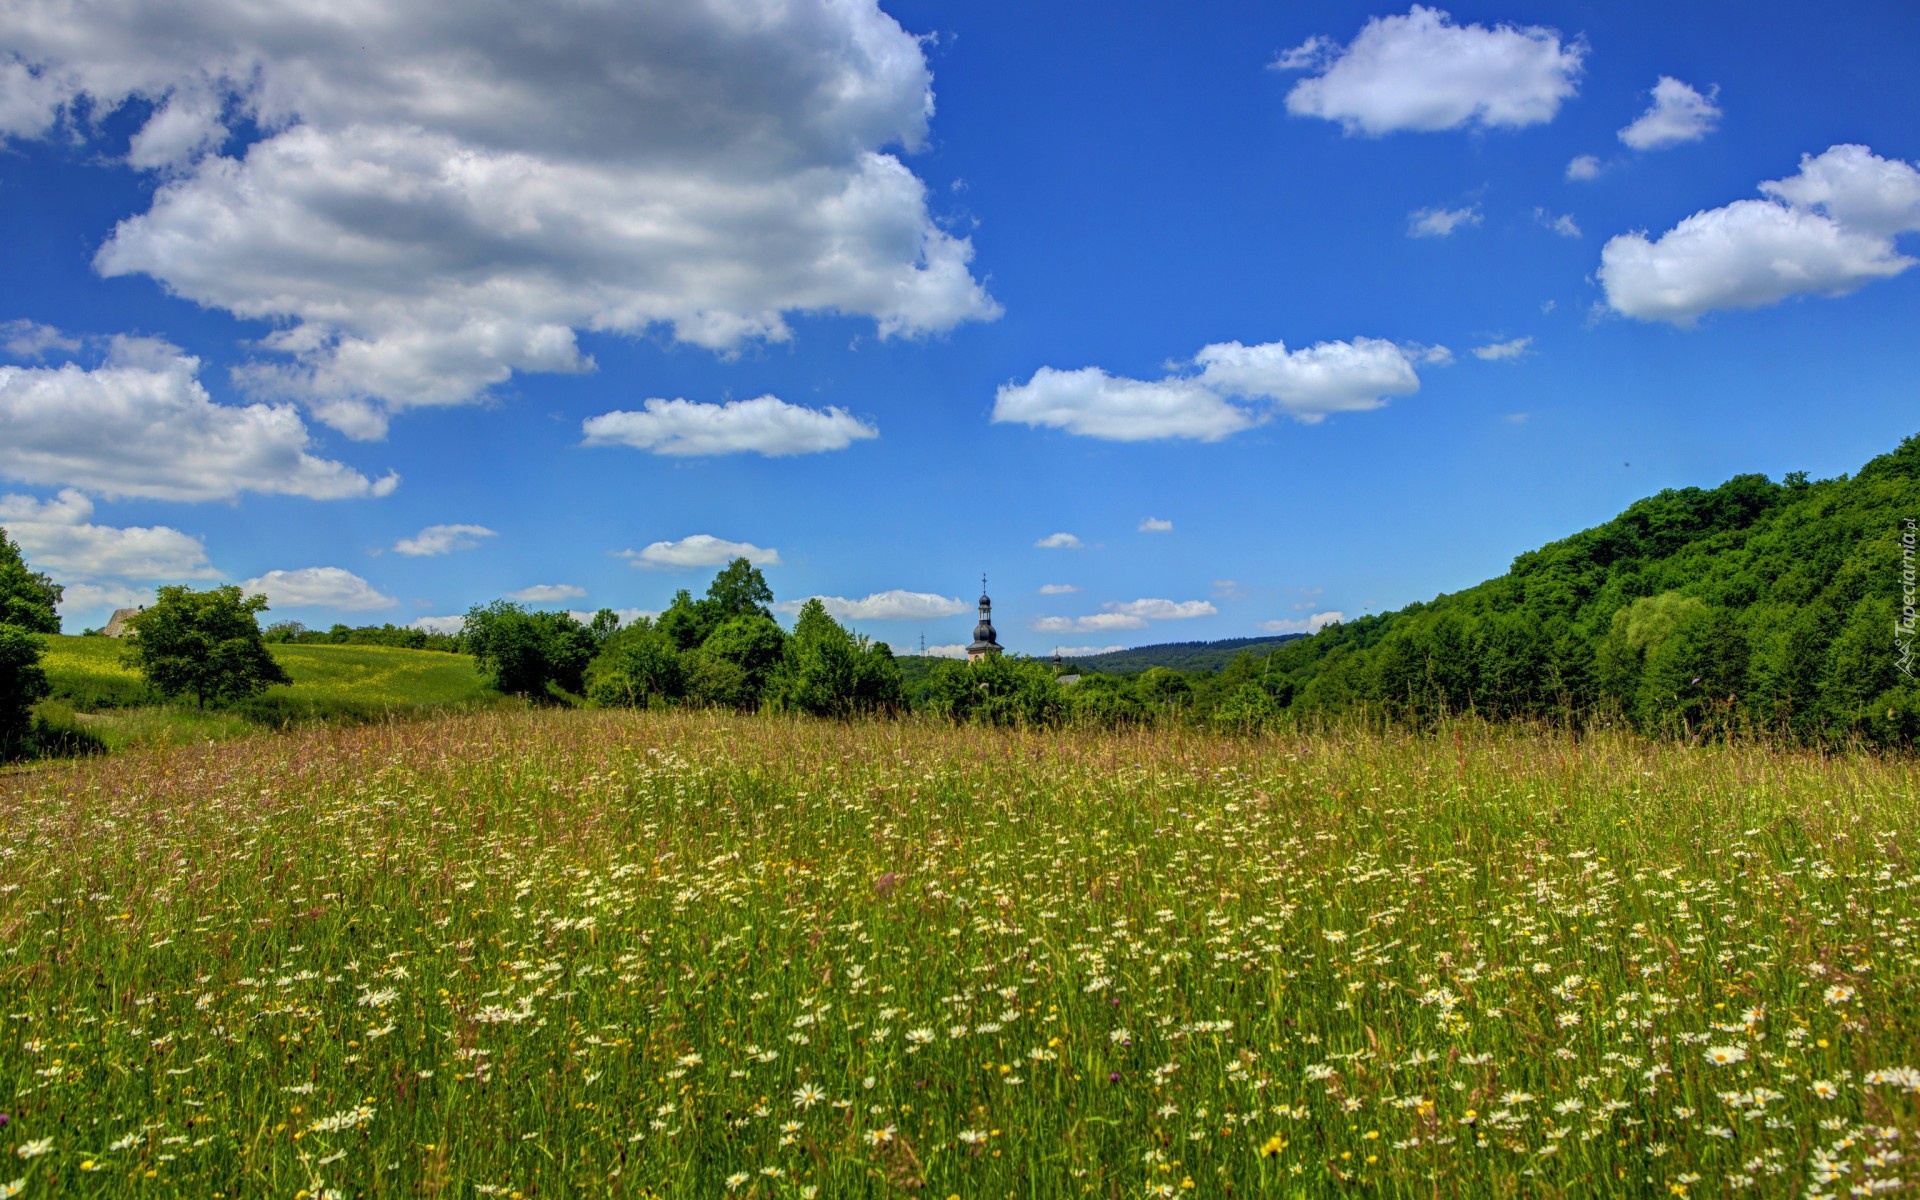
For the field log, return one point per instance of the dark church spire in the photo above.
(985, 642)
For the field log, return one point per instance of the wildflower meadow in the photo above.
(518, 954)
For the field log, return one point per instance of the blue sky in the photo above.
(1207, 319)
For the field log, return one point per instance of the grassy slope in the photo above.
(351, 682)
(583, 953)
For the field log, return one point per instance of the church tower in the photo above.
(985, 642)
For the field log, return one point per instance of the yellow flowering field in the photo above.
(530, 954)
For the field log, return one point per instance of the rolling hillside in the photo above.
(353, 683)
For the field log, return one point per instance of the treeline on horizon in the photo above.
(1754, 608)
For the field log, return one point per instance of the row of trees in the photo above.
(1752, 606)
(724, 649)
(403, 637)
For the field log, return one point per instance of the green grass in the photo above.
(332, 684)
(577, 953)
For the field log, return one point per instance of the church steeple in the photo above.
(985, 642)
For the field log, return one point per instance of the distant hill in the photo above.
(1179, 656)
(1759, 605)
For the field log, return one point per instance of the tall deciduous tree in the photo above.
(27, 597)
(828, 672)
(204, 643)
(523, 652)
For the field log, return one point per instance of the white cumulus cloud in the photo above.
(1678, 114)
(700, 550)
(78, 598)
(1058, 541)
(546, 593)
(1092, 403)
(318, 587)
(1058, 589)
(1510, 349)
(894, 604)
(1125, 614)
(1236, 388)
(1162, 610)
(442, 196)
(1156, 525)
(31, 339)
(141, 425)
(437, 624)
(1309, 383)
(1440, 222)
(1092, 623)
(1583, 167)
(60, 538)
(442, 539)
(1312, 624)
(1827, 230)
(1423, 72)
(764, 425)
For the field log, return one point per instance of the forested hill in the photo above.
(1179, 656)
(1755, 604)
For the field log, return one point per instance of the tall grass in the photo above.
(551, 953)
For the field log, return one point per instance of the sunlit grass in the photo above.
(588, 953)
(90, 677)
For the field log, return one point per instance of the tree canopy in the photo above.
(206, 644)
(28, 599)
(525, 653)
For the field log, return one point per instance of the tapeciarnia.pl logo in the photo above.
(1903, 629)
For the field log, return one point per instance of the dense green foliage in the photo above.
(1752, 606)
(27, 597)
(725, 650)
(527, 653)
(206, 644)
(27, 600)
(23, 683)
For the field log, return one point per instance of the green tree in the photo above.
(687, 621)
(732, 667)
(27, 598)
(604, 625)
(207, 643)
(22, 684)
(740, 590)
(526, 653)
(827, 672)
(638, 667)
(1000, 689)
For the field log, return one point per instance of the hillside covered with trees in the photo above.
(1755, 606)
